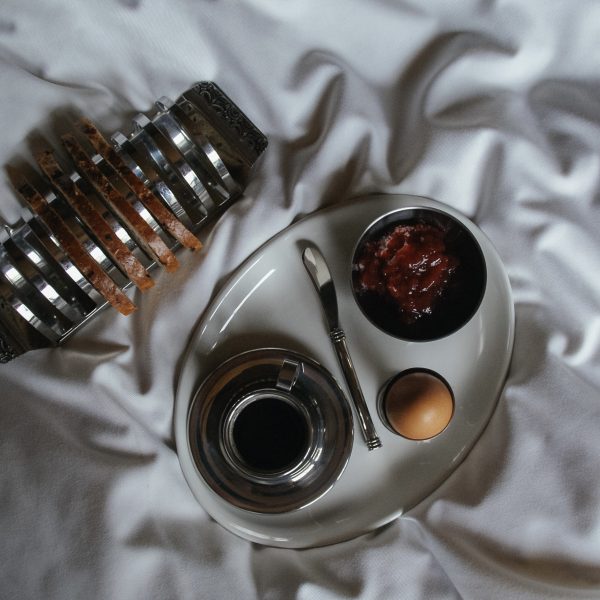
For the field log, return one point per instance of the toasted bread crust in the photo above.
(88, 267)
(114, 247)
(144, 235)
(163, 215)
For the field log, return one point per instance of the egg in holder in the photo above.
(431, 385)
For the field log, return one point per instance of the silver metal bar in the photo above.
(196, 148)
(176, 160)
(85, 293)
(49, 282)
(112, 219)
(8, 293)
(148, 176)
(80, 230)
(30, 303)
(146, 143)
(109, 172)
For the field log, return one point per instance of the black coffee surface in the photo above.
(270, 435)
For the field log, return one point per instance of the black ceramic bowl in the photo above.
(455, 300)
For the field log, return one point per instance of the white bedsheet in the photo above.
(490, 107)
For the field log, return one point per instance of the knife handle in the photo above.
(338, 337)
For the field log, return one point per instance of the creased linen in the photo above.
(490, 107)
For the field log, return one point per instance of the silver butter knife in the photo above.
(321, 277)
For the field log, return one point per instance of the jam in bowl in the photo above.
(418, 274)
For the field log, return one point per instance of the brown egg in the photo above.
(418, 405)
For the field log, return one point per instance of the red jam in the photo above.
(409, 266)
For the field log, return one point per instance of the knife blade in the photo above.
(320, 276)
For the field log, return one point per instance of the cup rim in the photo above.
(231, 453)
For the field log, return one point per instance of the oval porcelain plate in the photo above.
(270, 301)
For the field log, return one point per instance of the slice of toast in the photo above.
(107, 238)
(88, 267)
(170, 223)
(143, 234)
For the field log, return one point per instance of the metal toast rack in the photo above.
(96, 228)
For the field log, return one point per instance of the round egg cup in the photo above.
(270, 301)
(440, 411)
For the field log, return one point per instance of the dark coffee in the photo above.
(270, 435)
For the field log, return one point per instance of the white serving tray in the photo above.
(270, 302)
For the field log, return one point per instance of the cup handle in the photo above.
(288, 375)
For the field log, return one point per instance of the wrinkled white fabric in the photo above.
(492, 107)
